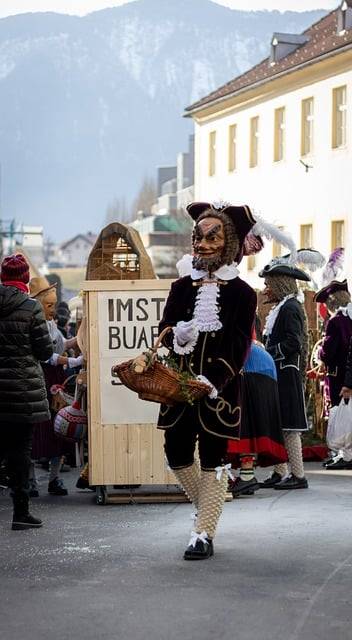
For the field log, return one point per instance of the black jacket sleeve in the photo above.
(40, 339)
(292, 331)
(348, 374)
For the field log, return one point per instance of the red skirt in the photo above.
(261, 432)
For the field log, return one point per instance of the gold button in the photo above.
(209, 360)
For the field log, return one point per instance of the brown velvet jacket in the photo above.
(218, 355)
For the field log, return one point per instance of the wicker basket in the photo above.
(159, 383)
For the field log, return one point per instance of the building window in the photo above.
(306, 236)
(279, 134)
(212, 152)
(339, 113)
(277, 246)
(253, 141)
(307, 124)
(232, 147)
(251, 262)
(337, 234)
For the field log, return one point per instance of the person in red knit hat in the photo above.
(24, 341)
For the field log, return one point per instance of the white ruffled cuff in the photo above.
(53, 360)
(188, 346)
(213, 394)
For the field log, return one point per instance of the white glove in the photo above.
(74, 362)
(213, 393)
(184, 332)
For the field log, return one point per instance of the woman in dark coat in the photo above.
(24, 340)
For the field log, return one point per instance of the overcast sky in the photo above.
(81, 7)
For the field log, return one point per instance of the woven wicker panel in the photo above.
(119, 254)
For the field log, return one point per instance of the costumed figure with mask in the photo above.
(334, 350)
(212, 314)
(286, 339)
(45, 443)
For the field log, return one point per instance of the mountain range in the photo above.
(91, 105)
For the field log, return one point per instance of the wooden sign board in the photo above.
(125, 447)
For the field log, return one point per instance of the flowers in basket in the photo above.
(160, 378)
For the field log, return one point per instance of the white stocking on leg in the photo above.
(211, 501)
(281, 469)
(293, 446)
(189, 479)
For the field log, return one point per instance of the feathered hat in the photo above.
(286, 266)
(333, 266)
(331, 288)
(250, 226)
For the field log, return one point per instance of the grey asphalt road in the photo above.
(282, 568)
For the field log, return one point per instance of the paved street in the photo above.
(281, 570)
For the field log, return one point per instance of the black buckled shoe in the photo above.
(56, 488)
(19, 523)
(292, 482)
(274, 479)
(200, 547)
(337, 464)
(239, 487)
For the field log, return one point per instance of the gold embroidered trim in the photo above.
(220, 405)
(228, 365)
(214, 433)
(167, 426)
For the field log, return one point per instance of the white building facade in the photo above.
(281, 141)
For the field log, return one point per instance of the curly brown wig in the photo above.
(281, 285)
(338, 299)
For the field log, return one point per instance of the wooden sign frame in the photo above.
(119, 454)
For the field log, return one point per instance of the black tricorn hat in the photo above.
(240, 216)
(334, 286)
(277, 268)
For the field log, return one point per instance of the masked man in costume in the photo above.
(334, 350)
(212, 313)
(286, 339)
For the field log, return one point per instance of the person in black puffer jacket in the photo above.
(24, 340)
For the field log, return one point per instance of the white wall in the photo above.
(76, 253)
(283, 192)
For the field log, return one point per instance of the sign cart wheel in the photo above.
(101, 497)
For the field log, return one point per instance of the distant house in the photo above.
(75, 252)
(166, 238)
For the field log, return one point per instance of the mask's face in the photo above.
(208, 244)
(268, 291)
(48, 302)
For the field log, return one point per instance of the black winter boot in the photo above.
(22, 519)
(25, 522)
